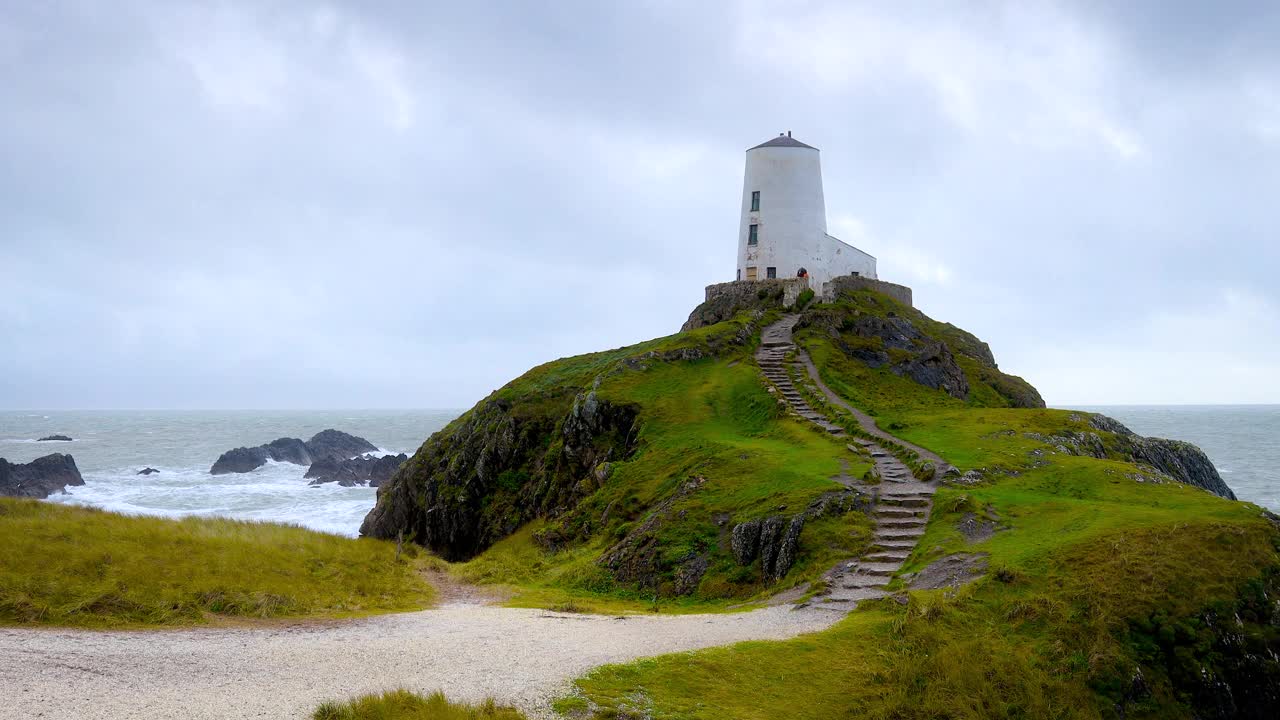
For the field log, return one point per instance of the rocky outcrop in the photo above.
(39, 478)
(1174, 459)
(499, 466)
(58, 438)
(326, 444)
(1181, 461)
(908, 343)
(148, 471)
(363, 470)
(776, 539)
(336, 445)
(727, 300)
(897, 344)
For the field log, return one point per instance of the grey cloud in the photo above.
(406, 204)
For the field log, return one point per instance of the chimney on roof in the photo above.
(788, 133)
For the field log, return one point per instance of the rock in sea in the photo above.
(39, 478)
(331, 444)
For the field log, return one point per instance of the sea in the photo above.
(110, 447)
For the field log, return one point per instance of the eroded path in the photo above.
(902, 503)
(523, 657)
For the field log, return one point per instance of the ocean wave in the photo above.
(276, 492)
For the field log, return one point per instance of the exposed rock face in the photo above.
(896, 343)
(908, 343)
(60, 438)
(39, 478)
(776, 539)
(1181, 461)
(363, 470)
(497, 467)
(326, 444)
(1174, 459)
(337, 445)
(726, 300)
(148, 471)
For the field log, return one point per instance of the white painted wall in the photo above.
(792, 220)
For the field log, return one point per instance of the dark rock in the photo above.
(745, 541)
(363, 470)
(239, 460)
(727, 300)
(39, 478)
(1179, 460)
(327, 444)
(776, 539)
(496, 468)
(336, 445)
(148, 471)
(61, 438)
(911, 345)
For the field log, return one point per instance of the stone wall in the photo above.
(846, 283)
(725, 300)
(743, 289)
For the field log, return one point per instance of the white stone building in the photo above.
(784, 219)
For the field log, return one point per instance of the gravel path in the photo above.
(523, 657)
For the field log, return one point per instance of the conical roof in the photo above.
(783, 141)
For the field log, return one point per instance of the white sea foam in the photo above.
(111, 447)
(276, 492)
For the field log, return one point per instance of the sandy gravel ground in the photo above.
(523, 657)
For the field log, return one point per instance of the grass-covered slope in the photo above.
(619, 476)
(64, 565)
(883, 356)
(1110, 589)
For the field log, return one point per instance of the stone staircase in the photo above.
(902, 503)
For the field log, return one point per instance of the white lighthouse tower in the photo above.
(784, 219)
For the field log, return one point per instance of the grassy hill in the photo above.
(1114, 585)
(612, 480)
(1112, 590)
(74, 566)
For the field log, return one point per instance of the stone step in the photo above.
(896, 556)
(905, 493)
(851, 595)
(902, 534)
(895, 544)
(899, 513)
(878, 568)
(910, 501)
(900, 522)
(863, 582)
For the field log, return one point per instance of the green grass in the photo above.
(1091, 575)
(710, 419)
(404, 705)
(1086, 556)
(74, 566)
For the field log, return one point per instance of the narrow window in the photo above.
(751, 273)
(739, 274)
(755, 201)
(771, 273)
(753, 235)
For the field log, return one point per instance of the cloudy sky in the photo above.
(377, 204)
